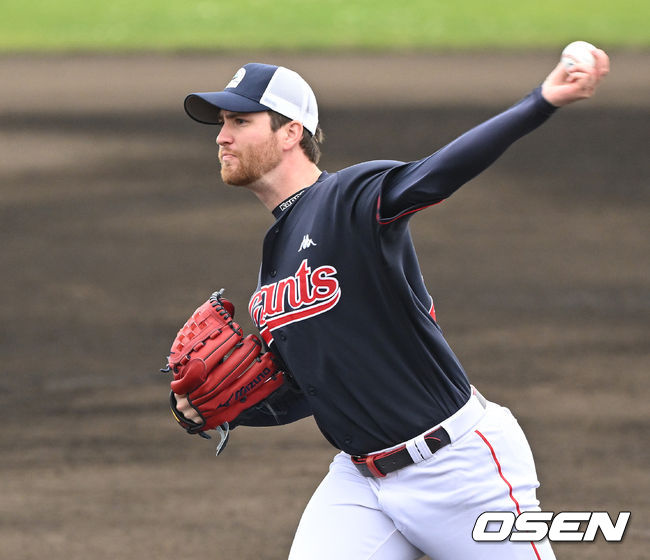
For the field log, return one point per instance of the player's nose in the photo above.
(223, 137)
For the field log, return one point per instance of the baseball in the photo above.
(578, 52)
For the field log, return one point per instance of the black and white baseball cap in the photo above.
(258, 87)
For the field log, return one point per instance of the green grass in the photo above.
(93, 25)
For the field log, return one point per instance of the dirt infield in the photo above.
(111, 209)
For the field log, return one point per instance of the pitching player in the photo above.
(342, 307)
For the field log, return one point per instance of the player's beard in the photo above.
(251, 163)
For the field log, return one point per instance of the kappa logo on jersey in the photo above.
(304, 295)
(306, 243)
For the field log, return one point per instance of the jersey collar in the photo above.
(288, 203)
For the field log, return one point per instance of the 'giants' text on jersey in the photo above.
(298, 297)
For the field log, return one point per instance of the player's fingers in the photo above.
(182, 404)
(185, 408)
(602, 62)
(585, 85)
(577, 76)
(558, 75)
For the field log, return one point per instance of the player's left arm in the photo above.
(286, 405)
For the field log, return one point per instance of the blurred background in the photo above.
(116, 226)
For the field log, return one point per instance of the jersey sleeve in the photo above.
(285, 405)
(413, 186)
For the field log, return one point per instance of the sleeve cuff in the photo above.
(545, 106)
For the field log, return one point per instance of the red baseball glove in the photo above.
(219, 371)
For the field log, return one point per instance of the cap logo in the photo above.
(238, 77)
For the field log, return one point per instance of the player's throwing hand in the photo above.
(566, 85)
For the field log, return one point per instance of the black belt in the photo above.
(379, 465)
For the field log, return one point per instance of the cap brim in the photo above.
(205, 107)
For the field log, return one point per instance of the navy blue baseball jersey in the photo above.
(341, 298)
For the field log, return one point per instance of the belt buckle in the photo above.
(366, 464)
(372, 467)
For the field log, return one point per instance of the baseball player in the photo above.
(344, 313)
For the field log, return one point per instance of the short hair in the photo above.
(310, 143)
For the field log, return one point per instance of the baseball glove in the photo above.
(219, 371)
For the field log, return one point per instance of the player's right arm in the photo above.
(412, 186)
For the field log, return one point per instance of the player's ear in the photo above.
(292, 134)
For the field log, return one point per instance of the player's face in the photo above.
(248, 148)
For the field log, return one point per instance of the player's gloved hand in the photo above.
(218, 373)
(563, 86)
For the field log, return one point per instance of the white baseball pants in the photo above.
(429, 507)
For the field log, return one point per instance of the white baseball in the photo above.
(578, 52)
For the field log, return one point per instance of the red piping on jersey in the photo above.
(496, 462)
(382, 222)
(432, 310)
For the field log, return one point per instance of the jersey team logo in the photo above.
(304, 295)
